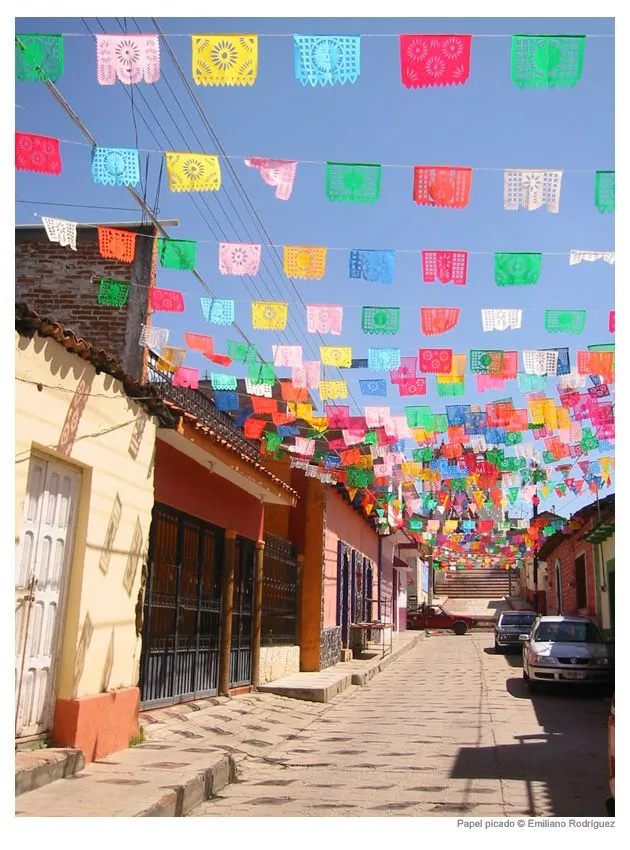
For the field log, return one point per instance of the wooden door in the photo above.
(41, 572)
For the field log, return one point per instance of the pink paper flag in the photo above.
(167, 300)
(445, 266)
(489, 382)
(338, 415)
(239, 258)
(324, 318)
(287, 355)
(307, 375)
(186, 376)
(375, 417)
(412, 386)
(130, 58)
(611, 321)
(276, 172)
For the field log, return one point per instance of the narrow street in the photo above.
(448, 729)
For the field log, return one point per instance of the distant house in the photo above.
(580, 564)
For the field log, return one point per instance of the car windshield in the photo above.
(517, 619)
(567, 633)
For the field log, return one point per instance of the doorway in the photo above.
(41, 578)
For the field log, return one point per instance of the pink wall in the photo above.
(342, 523)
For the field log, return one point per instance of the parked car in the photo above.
(566, 650)
(510, 628)
(610, 802)
(436, 617)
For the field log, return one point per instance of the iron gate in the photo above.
(182, 609)
(241, 645)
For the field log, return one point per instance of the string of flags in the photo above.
(346, 182)
(226, 59)
(449, 464)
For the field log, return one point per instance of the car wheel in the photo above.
(460, 628)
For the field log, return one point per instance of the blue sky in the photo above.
(486, 124)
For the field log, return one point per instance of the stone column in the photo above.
(227, 606)
(257, 612)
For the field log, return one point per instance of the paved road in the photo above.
(447, 730)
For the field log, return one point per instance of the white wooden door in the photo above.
(44, 556)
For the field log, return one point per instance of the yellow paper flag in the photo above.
(336, 355)
(224, 60)
(193, 172)
(269, 315)
(304, 261)
(333, 389)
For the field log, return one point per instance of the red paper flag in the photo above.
(611, 321)
(253, 428)
(167, 300)
(260, 404)
(438, 320)
(37, 153)
(434, 60)
(441, 186)
(437, 361)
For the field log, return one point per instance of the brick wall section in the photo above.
(56, 282)
(567, 553)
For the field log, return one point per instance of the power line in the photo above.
(79, 123)
(362, 34)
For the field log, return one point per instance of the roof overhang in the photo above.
(219, 461)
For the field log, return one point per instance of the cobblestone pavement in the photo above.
(447, 730)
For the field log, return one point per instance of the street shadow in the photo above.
(84, 642)
(74, 413)
(133, 559)
(513, 657)
(142, 418)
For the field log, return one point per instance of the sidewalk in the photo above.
(194, 749)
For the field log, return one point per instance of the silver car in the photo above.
(566, 649)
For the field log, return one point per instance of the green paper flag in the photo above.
(420, 455)
(547, 61)
(380, 320)
(439, 424)
(486, 362)
(357, 477)
(589, 441)
(513, 438)
(456, 388)
(262, 373)
(605, 191)
(272, 441)
(513, 494)
(565, 321)
(419, 417)
(241, 351)
(354, 183)
(113, 293)
(177, 253)
(516, 269)
(371, 438)
(38, 56)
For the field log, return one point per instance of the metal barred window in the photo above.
(280, 592)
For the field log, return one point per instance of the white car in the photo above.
(566, 650)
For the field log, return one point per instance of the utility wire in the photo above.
(52, 88)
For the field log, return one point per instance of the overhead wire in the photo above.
(235, 176)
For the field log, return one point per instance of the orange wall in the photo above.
(342, 523)
(183, 484)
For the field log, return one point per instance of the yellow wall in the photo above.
(110, 440)
(607, 550)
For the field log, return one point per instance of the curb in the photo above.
(363, 678)
(184, 797)
(31, 778)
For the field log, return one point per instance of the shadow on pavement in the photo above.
(569, 756)
(514, 658)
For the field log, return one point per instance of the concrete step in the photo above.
(36, 768)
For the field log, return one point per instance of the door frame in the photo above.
(64, 588)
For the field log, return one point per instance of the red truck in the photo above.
(436, 617)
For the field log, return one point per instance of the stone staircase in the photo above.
(478, 584)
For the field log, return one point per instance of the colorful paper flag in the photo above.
(438, 320)
(380, 320)
(322, 59)
(434, 60)
(225, 60)
(177, 253)
(435, 360)
(547, 61)
(531, 188)
(193, 172)
(61, 231)
(218, 311)
(304, 261)
(38, 56)
(239, 259)
(117, 244)
(115, 166)
(37, 153)
(354, 183)
(442, 186)
(167, 300)
(445, 266)
(276, 172)
(269, 315)
(516, 269)
(565, 321)
(324, 318)
(113, 293)
(128, 58)
(375, 266)
(605, 191)
(340, 356)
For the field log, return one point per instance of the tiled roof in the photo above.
(27, 322)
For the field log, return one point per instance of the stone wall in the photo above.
(278, 661)
(330, 647)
